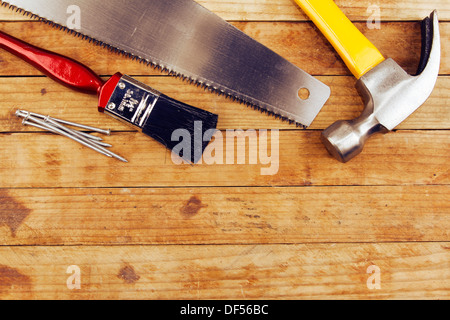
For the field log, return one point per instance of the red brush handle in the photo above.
(62, 69)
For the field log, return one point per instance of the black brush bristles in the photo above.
(184, 129)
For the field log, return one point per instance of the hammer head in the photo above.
(390, 95)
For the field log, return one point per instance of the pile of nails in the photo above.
(59, 126)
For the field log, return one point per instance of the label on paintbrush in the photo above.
(132, 102)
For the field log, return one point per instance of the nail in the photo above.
(69, 123)
(49, 124)
(81, 138)
(25, 114)
(90, 136)
(28, 123)
(82, 135)
(65, 134)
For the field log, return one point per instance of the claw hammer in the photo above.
(389, 93)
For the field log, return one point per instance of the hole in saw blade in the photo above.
(304, 94)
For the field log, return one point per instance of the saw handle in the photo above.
(358, 53)
(61, 69)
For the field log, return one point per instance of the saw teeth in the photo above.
(155, 65)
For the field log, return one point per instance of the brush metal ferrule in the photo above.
(132, 102)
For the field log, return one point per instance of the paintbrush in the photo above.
(127, 100)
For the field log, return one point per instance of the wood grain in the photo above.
(174, 216)
(45, 96)
(46, 161)
(328, 271)
(151, 229)
(287, 10)
(300, 43)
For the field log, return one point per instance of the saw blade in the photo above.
(187, 40)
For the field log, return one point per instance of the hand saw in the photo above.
(186, 40)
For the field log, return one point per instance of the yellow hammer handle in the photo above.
(358, 53)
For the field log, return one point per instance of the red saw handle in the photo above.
(62, 69)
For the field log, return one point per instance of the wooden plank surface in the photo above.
(326, 271)
(156, 230)
(44, 96)
(173, 216)
(299, 43)
(42, 160)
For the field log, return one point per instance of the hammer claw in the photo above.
(390, 94)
